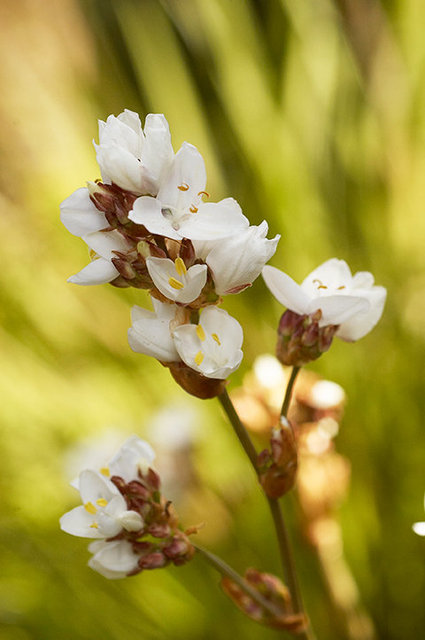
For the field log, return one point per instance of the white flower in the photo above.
(236, 261)
(178, 210)
(176, 282)
(101, 269)
(114, 559)
(132, 158)
(213, 347)
(80, 216)
(352, 302)
(150, 332)
(134, 455)
(103, 513)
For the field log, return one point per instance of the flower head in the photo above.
(352, 303)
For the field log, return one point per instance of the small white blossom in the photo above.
(150, 332)
(132, 158)
(236, 261)
(134, 455)
(352, 302)
(176, 282)
(79, 215)
(178, 211)
(212, 347)
(103, 513)
(419, 527)
(101, 269)
(114, 559)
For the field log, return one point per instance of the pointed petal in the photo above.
(79, 215)
(99, 271)
(187, 170)
(285, 290)
(361, 324)
(157, 151)
(214, 220)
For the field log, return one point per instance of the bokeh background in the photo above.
(311, 113)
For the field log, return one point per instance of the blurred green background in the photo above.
(311, 113)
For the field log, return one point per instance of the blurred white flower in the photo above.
(236, 261)
(150, 332)
(103, 513)
(352, 302)
(178, 210)
(114, 559)
(419, 527)
(212, 347)
(133, 158)
(175, 281)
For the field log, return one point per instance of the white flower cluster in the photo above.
(104, 513)
(148, 225)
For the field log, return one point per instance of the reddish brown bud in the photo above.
(301, 339)
(195, 383)
(279, 477)
(155, 560)
(159, 530)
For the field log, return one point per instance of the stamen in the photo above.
(176, 284)
(320, 285)
(90, 508)
(183, 187)
(193, 209)
(105, 471)
(94, 525)
(204, 193)
(200, 332)
(199, 357)
(341, 287)
(102, 502)
(215, 337)
(180, 266)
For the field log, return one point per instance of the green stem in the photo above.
(288, 393)
(225, 570)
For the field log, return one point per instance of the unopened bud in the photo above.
(159, 530)
(301, 339)
(131, 521)
(194, 383)
(279, 477)
(155, 560)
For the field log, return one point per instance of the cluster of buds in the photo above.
(148, 226)
(134, 527)
(277, 467)
(275, 607)
(301, 339)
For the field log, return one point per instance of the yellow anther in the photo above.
(215, 337)
(200, 332)
(180, 266)
(183, 186)
(93, 255)
(176, 284)
(193, 209)
(320, 285)
(199, 357)
(105, 471)
(94, 525)
(102, 502)
(90, 508)
(341, 287)
(204, 193)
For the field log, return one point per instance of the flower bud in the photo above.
(194, 383)
(155, 560)
(131, 521)
(301, 339)
(278, 467)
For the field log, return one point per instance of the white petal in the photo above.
(132, 454)
(114, 560)
(285, 290)
(333, 273)
(162, 269)
(152, 337)
(78, 522)
(361, 324)
(105, 243)
(187, 170)
(229, 331)
(214, 220)
(338, 308)
(99, 271)
(79, 215)
(93, 486)
(238, 260)
(196, 278)
(157, 151)
(148, 211)
(131, 521)
(419, 528)
(121, 167)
